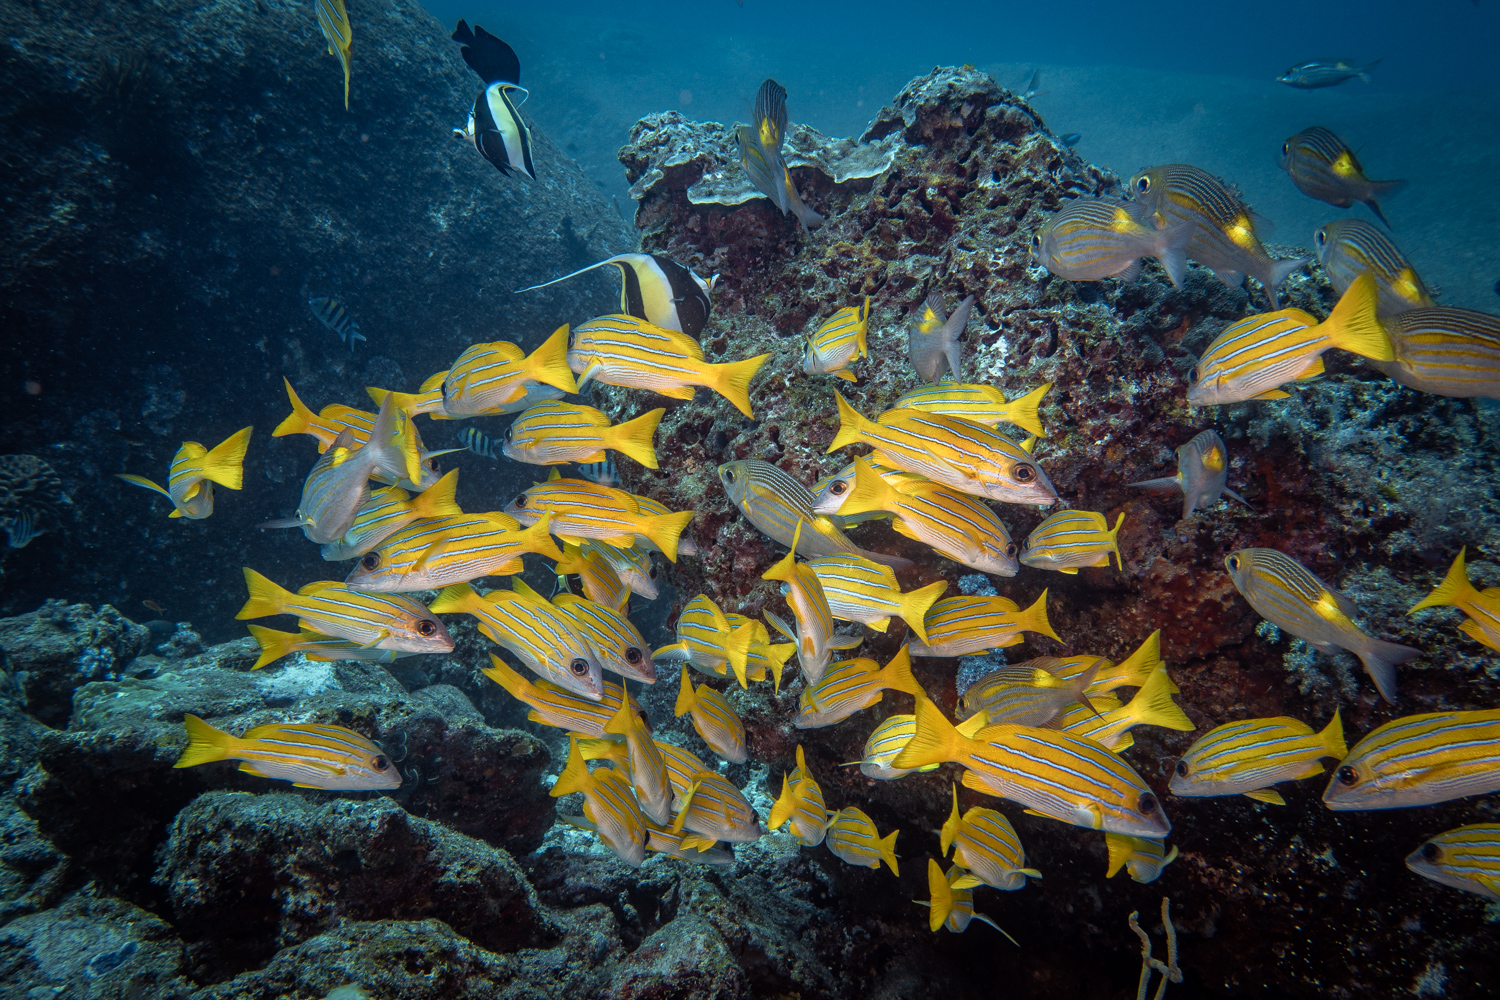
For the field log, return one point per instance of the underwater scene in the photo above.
(741, 498)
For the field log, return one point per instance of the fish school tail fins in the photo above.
(548, 364)
(538, 539)
(663, 530)
(1381, 659)
(1022, 411)
(575, 775)
(887, 847)
(225, 464)
(1114, 543)
(942, 896)
(952, 824)
(935, 741)
(1455, 588)
(783, 567)
(1153, 704)
(301, 420)
(871, 492)
(1140, 665)
(266, 597)
(273, 644)
(897, 675)
(438, 499)
(852, 425)
(737, 650)
(500, 672)
(687, 698)
(205, 743)
(915, 605)
(1034, 619)
(732, 381)
(1353, 325)
(634, 437)
(458, 598)
(1332, 738)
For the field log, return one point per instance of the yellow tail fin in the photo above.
(852, 426)
(517, 686)
(862, 330)
(414, 403)
(456, 599)
(225, 464)
(301, 420)
(438, 499)
(942, 896)
(1034, 618)
(575, 775)
(915, 605)
(623, 722)
(634, 438)
(732, 381)
(1455, 588)
(548, 364)
(144, 482)
(897, 675)
(1023, 413)
(205, 743)
(603, 748)
(934, 742)
(887, 847)
(273, 644)
(1333, 737)
(786, 802)
(1140, 665)
(686, 698)
(1114, 543)
(871, 492)
(737, 650)
(1121, 847)
(1153, 704)
(538, 538)
(952, 824)
(783, 567)
(1353, 325)
(663, 530)
(266, 598)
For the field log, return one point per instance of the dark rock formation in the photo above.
(50, 653)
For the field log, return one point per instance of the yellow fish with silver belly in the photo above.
(195, 469)
(1071, 540)
(839, 340)
(1249, 756)
(1419, 760)
(609, 804)
(713, 718)
(558, 433)
(308, 755)
(952, 902)
(1090, 239)
(986, 845)
(1482, 607)
(851, 686)
(801, 804)
(814, 632)
(374, 621)
(1445, 352)
(1144, 859)
(1202, 474)
(1467, 858)
(853, 839)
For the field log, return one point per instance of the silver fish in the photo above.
(1348, 248)
(1202, 474)
(1324, 167)
(1090, 239)
(935, 341)
(1325, 73)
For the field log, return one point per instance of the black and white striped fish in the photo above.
(495, 126)
(601, 473)
(332, 314)
(479, 442)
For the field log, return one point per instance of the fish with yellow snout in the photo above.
(194, 471)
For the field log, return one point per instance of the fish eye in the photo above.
(427, 627)
(380, 763)
(579, 668)
(728, 476)
(1234, 563)
(1182, 769)
(1146, 803)
(520, 501)
(652, 573)
(1321, 236)
(1431, 852)
(370, 561)
(1025, 474)
(633, 655)
(1010, 549)
(1348, 776)
(1286, 148)
(1143, 184)
(838, 487)
(1036, 241)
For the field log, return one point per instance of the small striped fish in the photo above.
(630, 352)
(325, 427)
(1090, 239)
(608, 804)
(1446, 352)
(980, 404)
(581, 510)
(851, 686)
(315, 646)
(438, 552)
(952, 902)
(191, 477)
(1133, 671)
(1151, 706)
(853, 839)
(814, 632)
(707, 640)
(331, 312)
(1285, 593)
(714, 720)
(935, 341)
(621, 647)
(333, 21)
(1419, 760)
(375, 621)
(1348, 248)
(602, 473)
(963, 626)
(558, 433)
(1248, 757)
(956, 526)
(308, 755)
(776, 504)
(600, 582)
(801, 804)
(969, 457)
(559, 707)
(859, 590)
(1467, 858)
(633, 566)
(1253, 357)
(715, 808)
(1144, 859)
(1072, 539)
(478, 442)
(683, 766)
(985, 844)
(1324, 167)
(1202, 474)
(840, 340)
(647, 768)
(389, 510)
(1025, 696)
(1224, 240)
(539, 635)
(1070, 779)
(1482, 607)
(21, 528)
(498, 377)
(884, 743)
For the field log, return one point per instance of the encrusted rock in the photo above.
(53, 650)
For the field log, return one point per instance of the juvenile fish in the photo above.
(581, 510)
(315, 646)
(713, 718)
(1249, 756)
(1254, 357)
(776, 504)
(308, 755)
(1090, 239)
(498, 377)
(1467, 858)
(760, 155)
(495, 126)
(935, 340)
(1420, 760)
(1325, 73)
(840, 340)
(391, 509)
(1482, 607)
(1282, 591)
(715, 808)
(621, 647)
(657, 289)
(1072, 539)
(963, 626)
(801, 804)
(537, 634)
(558, 433)
(814, 633)
(374, 621)
(1143, 859)
(1348, 248)
(981, 404)
(559, 707)
(1324, 167)
(1202, 474)
(609, 805)
(853, 839)
(986, 846)
(1445, 351)
(439, 552)
(851, 686)
(952, 902)
(194, 470)
(859, 590)
(331, 312)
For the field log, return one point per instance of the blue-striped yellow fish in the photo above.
(621, 647)
(967, 456)
(1202, 474)
(496, 377)
(850, 686)
(633, 566)
(715, 808)
(952, 902)
(308, 755)
(1224, 239)
(1285, 593)
(1090, 239)
(954, 524)
(1110, 726)
(760, 155)
(1144, 859)
(1467, 858)
(335, 418)
(707, 640)
(494, 125)
(1071, 540)
(609, 804)
(682, 767)
(962, 626)
(438, 552)
(375, 621)
(315, 646)
(1419, 760)
(713, 719)
(630, 352)
(814, 628)
(1348, 248)
(686, 546)
(853, 839)
(1254, 357)
(859, 590)
(195, 469)
(600, 582)
(655, 288)
(935, 341)
(980, 404)
(840, 340)
(768, 659)
(559, 433)
(1446, 352)
(536, 633)
(830, 491)
(1249, 756)
(333, 21)
(389, 510)
(1482, 607)
(1054, 774)
(1133, 671)
(986, 846)
(776, 504)
(685, 845)
(559, 707)
(1323, 166)
(647, 770)
(1024, 695)
(581, 509)
(331, 312)
(883, 744)
(801, 804)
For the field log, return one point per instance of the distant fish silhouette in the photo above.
(1321, 73)
(1071, 139)
(332, 314)
(1034, 86)
(22, 528)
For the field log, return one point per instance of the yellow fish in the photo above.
(1324, 167)
(840, 340)
(559, 707)
(883, 744)
(441, 551)
(1467, 858)
(557, 433)
(1419, 760)
(859, 590)
(1151, 706)
(1143, 859)
(714, 720)
(581, 509)
(852, 838)
(707, 639)
(374, 621)
(648, 769)
(985, 845)
(848, 687)
(499, 377)
(609, 805)
(713, 807)
(308, 755)
(390, 509)
(952, 903)
(601, 583)
(333, 20)
(1249, 756)
(1445, 352)
(1482, 607)
(801, 804)
(195, 469)
(539, 635)
(982, 404)
(1072, 539)
(1350, 247)
(963, 626)
(315, 646)
(814, 634)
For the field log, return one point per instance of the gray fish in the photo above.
(1445, 352)
(1033, 86)
(332, 314)
(1325, 73)
(935, 341)
(22, 528)
(1348, 248)
(1202, 474)
(1070, 140)
(760, 155)
(1090, 239)
(1324, 167)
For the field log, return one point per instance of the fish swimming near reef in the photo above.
(935, 340)
(1069, 140)
(801, 804)
(315, 646)
(581, 510)
(480, 443)
(838, 340)
(434, 553)
(1482, 607)
(657, 289)
(621, 647)
(22, 528)
(389, 510)
(601, 583)
(1348, 248)
(1323, 166)
(1090, 239)
(1144, 859)
(374, 621)
(853, 839)
(648, 769)
(560, 707)
(1318, 73)
(308, 755)
(713, 719)
(952, 902)
(859, 590)
(883, 744)
(1152, 705)
(558, 433)
(1249, 756)
(1445, 351)
(982, 404)
(1071, 540)
(1467, 858)
(536, 633)
(633, 566)
(963, 626)
(495, 125)
(1419, 760)
(986, 846)
(333, 21)
(1024, 695)
(848, 687)
(498, 377)
(609, 805)
(1202, 473)
(193, 473)
(331, 312)
(707, 639)
(760, 155)
(814, 630)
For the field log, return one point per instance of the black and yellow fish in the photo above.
(495, 126)
(657, 289)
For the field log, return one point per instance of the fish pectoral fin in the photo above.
(1029, 812)
(1272, 394)
(965, 882)
(1268, 795)
(380, 637)
(846, 376)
